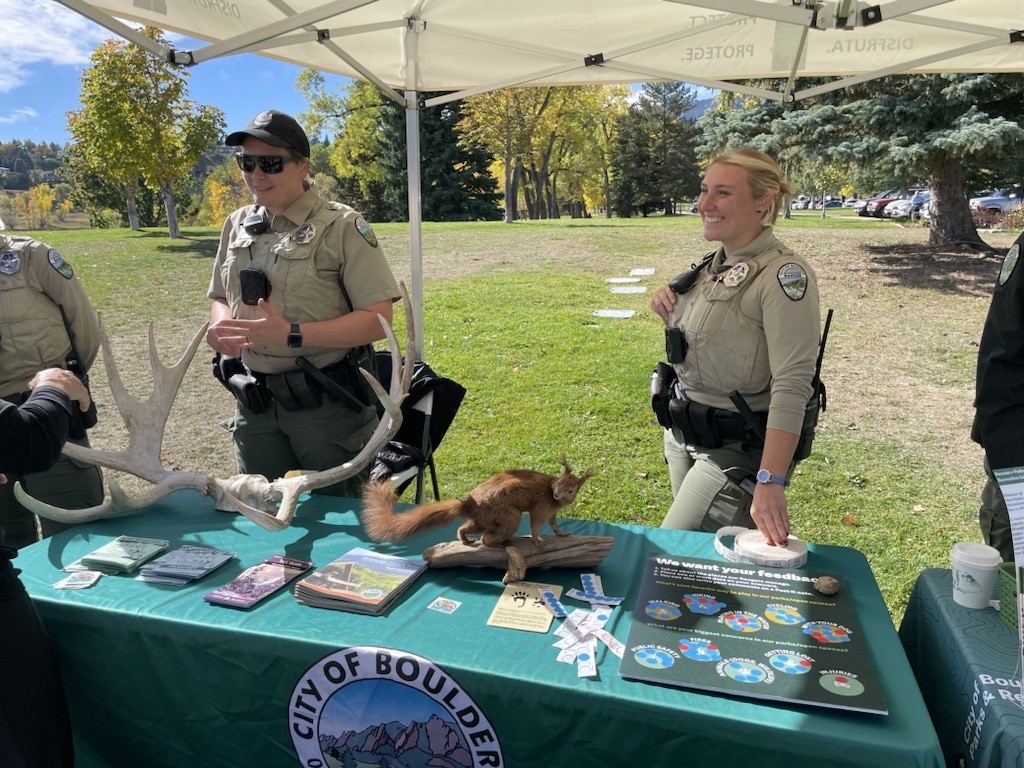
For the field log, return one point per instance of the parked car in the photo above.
(801, 203)
(876, 207)
(851, 202)
(998, 202)
(828, 204)
(862, 207)
(907, 207)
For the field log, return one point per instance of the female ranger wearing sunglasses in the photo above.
(297, 287)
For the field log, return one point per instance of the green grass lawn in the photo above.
(508, 312)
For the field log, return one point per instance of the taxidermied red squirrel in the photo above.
(493, 508)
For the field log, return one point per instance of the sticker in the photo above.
(58, 263)
(707, 605)
(655, 657)
(363, 228)
(783, 614)
(304, 234)
(1009, 263)
(746, 671)
(826, 632)
(444, 605)
(552, 604)
(354, 692)
(743, 622)
(736, 275)
(699, 650)
(789, 663)
(659, 609)
(841, 683)
(793, 279)
(262, 120)
(9, 263)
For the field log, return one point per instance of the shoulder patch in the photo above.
(10, 262)
(793, 279)
(58, 263)
(363, 228)
(1012, 256)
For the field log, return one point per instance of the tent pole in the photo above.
(412, 152)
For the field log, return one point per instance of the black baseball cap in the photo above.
(275, 128)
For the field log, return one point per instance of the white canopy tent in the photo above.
(467, 47)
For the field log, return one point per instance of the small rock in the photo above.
(826, 585)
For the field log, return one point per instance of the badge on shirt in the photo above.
(363, 228)
(58, 263)
(304, 234)
(1008, 264)
(9, 263)
(736, 275)
(793, 279)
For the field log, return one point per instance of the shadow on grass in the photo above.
(951, 269)
(194, 247)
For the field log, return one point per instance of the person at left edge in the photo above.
(46, 321)
(34, 727)
(297, 285)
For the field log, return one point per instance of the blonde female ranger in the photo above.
(744, 320)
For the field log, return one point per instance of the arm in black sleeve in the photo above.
(32, 435)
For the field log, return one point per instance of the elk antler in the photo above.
(271, 505)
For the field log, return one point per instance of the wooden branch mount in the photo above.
(559, 551)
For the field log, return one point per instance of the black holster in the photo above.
(710, 427)
(663, 380)
(251, 393)
(806, 441)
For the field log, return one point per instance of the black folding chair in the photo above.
(427, 413)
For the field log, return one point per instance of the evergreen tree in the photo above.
(456, 184)
(633, 181)
(672, 135)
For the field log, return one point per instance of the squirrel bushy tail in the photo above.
(382, 523)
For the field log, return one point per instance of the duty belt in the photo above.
(710, 427)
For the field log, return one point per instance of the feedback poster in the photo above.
(749, 631)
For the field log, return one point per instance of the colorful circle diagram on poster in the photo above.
(663, 611)
(708, 605)
(743, 622)
(699, 650)
(654, 658)
(826, 632)
(783, 614)
(746, 671)
(841, 683)
(789, 663)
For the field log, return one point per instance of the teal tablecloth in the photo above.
(157, 677)
(967, 666)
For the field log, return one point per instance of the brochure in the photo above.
(360, 580)
(122, 555)
(749, 630)
(258, 582)
(183, 565)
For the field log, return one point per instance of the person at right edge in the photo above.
(744, 320)
(999, 397)
(35, 731)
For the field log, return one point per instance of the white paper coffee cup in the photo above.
(975, 567)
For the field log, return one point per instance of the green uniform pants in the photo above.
(705, 484)
(994, 518)
(277, 441)
(68, 484)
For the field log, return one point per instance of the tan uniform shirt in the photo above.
(34, 282)
(752, 324)
(309, 248)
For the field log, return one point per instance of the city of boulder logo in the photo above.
(358, 705)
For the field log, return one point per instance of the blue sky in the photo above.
(48, 47)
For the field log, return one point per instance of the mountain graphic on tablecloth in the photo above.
(433, 744)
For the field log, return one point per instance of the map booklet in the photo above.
(184, 564)
(258, 582)
(749, 630)
(360, 580)
(122, 555)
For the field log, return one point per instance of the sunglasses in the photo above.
(267, 163)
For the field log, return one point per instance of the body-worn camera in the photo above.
(255, 285)
(675, 345)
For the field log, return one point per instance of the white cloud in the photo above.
(17, 115)
(45, 31)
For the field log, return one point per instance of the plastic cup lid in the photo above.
(975, 553)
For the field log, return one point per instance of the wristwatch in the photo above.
(295, 336)
(764, 476)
